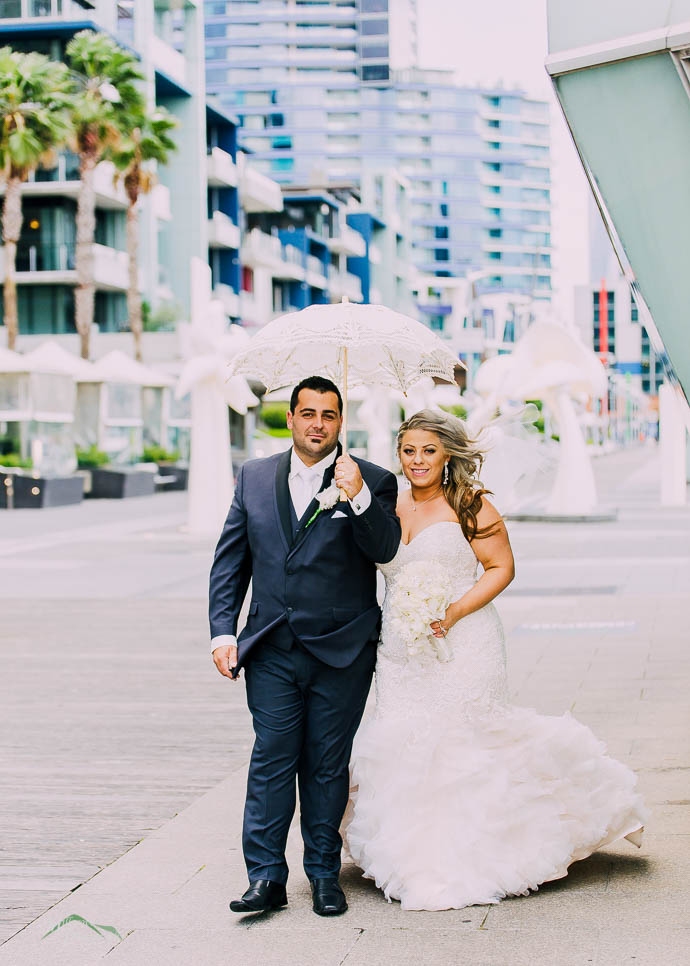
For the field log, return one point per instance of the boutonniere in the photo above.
(327, 500)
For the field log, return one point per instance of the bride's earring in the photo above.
(446, 474)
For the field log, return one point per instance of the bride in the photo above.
(458, 797)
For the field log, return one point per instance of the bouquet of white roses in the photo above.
(421, 594)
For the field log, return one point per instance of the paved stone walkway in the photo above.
(112, 720)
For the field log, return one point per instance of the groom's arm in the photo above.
(231, 570)
(376, 528)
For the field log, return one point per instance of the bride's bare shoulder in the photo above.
(487, 513)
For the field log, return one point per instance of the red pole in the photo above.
(604, 339)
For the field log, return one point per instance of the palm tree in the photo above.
(35, 96)
(106, 97)
(147, 142)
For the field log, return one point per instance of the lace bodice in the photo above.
(473, 682)
(445, 543)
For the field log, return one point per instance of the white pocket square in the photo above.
(338, 513)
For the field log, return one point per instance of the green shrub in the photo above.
(8, 444)
(15, 460)
(158, 454)
(456, 410)
(273, 415)
(91, 458)
(164, 318)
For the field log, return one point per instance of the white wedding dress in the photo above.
(459, 798)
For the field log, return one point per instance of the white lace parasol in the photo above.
(349, 343)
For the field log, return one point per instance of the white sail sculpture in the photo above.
(549, 363)
(208, 345)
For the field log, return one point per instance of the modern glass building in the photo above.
(326, 91)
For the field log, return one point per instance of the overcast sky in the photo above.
(505, 41)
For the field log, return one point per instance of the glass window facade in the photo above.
(375, 72)
(45, 309)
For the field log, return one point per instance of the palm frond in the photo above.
(35, 98)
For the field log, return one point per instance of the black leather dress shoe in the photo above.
(329, 899)
(260, 896)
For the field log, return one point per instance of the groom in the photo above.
(309, 647)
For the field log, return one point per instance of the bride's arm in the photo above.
(496, 557)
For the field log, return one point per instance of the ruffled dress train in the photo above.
(459, 798)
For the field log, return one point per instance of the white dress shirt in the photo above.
(304, 482)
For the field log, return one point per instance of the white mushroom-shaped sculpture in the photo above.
(551, 364)
(208, 345)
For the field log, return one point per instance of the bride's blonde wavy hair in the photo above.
(464, 490)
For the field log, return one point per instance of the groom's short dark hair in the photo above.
(318, 384)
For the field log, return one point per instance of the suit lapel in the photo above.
(282, 497)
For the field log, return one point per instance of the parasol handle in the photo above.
(343, 494)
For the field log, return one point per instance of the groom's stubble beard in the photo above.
(308, 450)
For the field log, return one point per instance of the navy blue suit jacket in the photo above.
(317, 585)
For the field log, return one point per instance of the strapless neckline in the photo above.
(438, 523)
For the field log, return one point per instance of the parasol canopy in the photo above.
(349, 343)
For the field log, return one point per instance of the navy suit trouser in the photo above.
(305, 717)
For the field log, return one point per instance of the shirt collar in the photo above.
(298, 468)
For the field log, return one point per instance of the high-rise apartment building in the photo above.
(327, 91)
(184, 215)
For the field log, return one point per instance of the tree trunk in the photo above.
(11, 230)
(133, 294)
(86, 231)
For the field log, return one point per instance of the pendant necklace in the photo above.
(428, 499)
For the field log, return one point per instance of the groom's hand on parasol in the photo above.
(348, 476)
(225, 659)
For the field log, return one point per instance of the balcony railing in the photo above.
(222, 231)
(344, 283)
(66, 169)
(167, 59)
(110, 265)
(63, 179)
(315, 264)
(221, 169)
(260, 248)
(45, 258)
(347, 241)
(110, 268)
(257, 191)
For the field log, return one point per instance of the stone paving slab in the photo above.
(112, 720)
(168, 896)
(168, 899)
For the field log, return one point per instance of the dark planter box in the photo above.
(119, 484)
(36, 492)
(172, 477)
